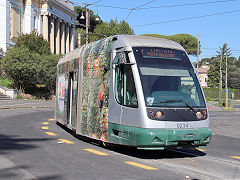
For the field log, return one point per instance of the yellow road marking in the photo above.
(45, 123)
(236, 157)
(140, 165)
(201, 149)
(51, 119)
(44, 127)
(66, 141)
(96, 152)
(50, 134)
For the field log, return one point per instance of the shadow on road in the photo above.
(19, 172)
(157, 154)
(143, 154)
(12, 142)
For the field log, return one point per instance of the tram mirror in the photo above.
(122, 58)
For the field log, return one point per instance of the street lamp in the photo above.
(88, 22)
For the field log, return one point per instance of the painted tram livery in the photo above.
(132, 90)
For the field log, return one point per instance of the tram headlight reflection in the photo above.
(199, 115)
(159, 114)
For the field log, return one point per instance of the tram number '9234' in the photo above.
(183, 125)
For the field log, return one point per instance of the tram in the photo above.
(132, 90)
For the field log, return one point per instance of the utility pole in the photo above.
(87, 18)
(198, 53)
(226, 85)
(79, 39)
(220, 82)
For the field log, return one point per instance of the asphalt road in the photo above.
(33, 146)
(236, 106)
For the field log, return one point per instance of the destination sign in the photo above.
(160, 53)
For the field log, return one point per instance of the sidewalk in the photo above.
(18, 104)
(213, 107)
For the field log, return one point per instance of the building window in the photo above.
(16, 23)
(35, 20)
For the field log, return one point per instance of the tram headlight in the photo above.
(159, 114)
(199, 115)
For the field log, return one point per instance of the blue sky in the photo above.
(213, 30)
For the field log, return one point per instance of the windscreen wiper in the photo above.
(169, 101)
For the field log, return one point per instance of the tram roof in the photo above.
(145, 41)
(126, 41)
(71, 55)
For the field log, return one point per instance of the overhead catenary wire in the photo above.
(131, 10)
(165, 6)
(189, 18)
(187, 4)
(215, 49)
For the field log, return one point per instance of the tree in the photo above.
(28, 65)
(187, 41)
(47, 73)
(113, 28)
(224, 51)
(234, 79)
(204, 61)
(104, 30)
(238, 62)
(1, 53)
(91, 36)
(21, 66)
(34, 43)
(1, 56)
(213, 72)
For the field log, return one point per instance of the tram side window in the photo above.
(118, 85)
(130, 98)
(125, 91)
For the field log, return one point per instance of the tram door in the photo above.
(71, 103)
(69, 97)
(125, 91)
(74, 93)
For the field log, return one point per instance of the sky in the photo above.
(216, 21)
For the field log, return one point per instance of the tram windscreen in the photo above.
(167, 78)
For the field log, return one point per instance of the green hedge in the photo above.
(212, 94)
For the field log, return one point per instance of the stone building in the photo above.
(54, 19)
(202, 75)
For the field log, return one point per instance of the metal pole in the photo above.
(197, 53)
(86, 26)
(226, 85)
(220, 82)
(79, 39)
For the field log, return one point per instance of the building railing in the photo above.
(12, 93)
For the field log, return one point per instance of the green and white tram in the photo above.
(132, 90)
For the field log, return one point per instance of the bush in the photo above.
(6, 82)
(211, 94)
